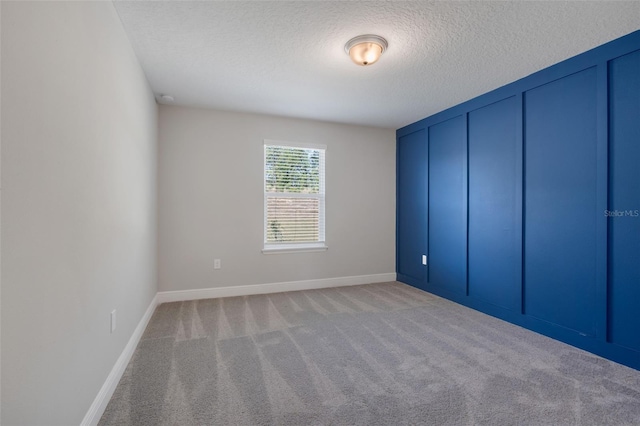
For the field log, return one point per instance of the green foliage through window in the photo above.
(294, 170)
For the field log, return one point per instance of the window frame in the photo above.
(320, 245)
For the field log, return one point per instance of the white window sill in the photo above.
(294, 249)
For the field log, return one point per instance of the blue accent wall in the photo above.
(447, 258)
(624, 201)
(560, 202)
(526, 201)
(495, 204)
(412, 180)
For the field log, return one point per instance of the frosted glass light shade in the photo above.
(366, 49)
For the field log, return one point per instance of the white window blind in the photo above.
(294, 196)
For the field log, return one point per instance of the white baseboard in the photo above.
(246, 290)
(102, 399)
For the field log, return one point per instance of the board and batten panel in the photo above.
(624, 201)
(412, 204)
(560, 202)
(448, 205)
(495, 204)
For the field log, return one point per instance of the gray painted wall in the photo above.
(210, 199)
(79, 128)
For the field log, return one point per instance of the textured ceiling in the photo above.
(287, 58)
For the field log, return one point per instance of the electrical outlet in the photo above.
(216, 264)
(113, 320)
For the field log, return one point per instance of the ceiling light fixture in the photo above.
(366, 49)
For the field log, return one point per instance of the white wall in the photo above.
(79, 126)
(210, 198)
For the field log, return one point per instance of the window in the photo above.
(294, 197)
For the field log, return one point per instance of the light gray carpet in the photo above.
(378, 354)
